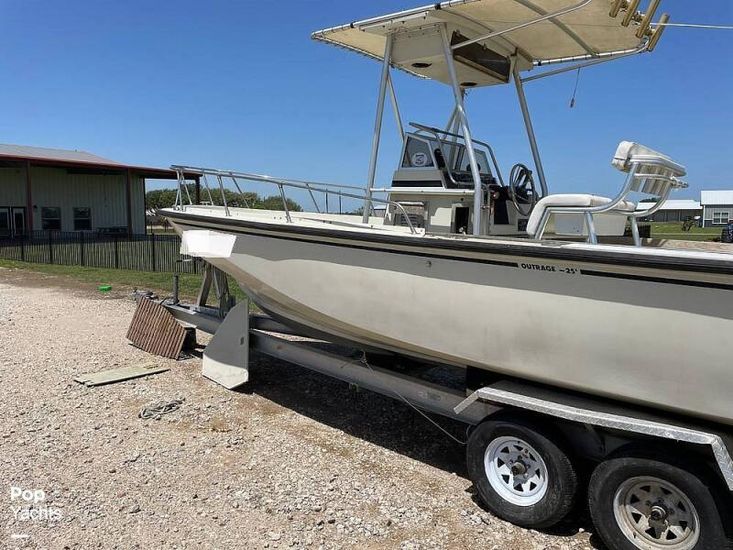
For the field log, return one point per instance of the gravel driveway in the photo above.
(294, 460)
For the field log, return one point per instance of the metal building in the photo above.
(673, 210)
(61, 190)
(717, 207)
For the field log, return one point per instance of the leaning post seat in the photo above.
(648, 173)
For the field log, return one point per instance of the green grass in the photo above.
(160, 230)
(673, 230)
(121, 279)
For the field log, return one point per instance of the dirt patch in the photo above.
(296, 459)
(22, 278)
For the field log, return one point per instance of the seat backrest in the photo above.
(654, 172)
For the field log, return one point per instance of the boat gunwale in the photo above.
(532, 249)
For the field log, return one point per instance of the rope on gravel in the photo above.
(156, 410)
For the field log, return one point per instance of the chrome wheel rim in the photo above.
(653, 514)
(516, 471)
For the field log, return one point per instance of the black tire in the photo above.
(614, 475)
(561, 480)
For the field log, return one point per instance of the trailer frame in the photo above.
(226, 361)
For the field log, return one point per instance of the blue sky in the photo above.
(240, 85)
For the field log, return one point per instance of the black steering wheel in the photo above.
(522, 189)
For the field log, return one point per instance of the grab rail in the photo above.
(281, 183)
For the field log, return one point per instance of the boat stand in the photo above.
(226, 360)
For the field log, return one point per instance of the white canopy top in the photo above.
(586, 32)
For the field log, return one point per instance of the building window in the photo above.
(82, 219)
(51, 218)
(720, 217)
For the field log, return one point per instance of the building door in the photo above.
(18, 221)
(5, 229)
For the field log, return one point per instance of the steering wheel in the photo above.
(522, 189)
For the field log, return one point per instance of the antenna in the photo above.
(663, 23)
(694, 26)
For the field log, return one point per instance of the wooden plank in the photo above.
(118, 375)
(155, 330)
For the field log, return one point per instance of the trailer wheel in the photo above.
(640, 503)
(520, 474)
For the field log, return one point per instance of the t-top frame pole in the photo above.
(461, 113)
(395, 107)
(530, 129)
(384, 81)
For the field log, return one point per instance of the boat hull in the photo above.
(639, 333)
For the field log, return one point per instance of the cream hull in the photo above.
(653, 336)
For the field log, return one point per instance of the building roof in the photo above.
(717, 197)
(45, 153)
(67, 157)
(673, 204)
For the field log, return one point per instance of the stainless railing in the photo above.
(281, 183)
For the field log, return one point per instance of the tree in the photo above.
(275, 202)
(234, 199)
(165, 198)
(160, 198)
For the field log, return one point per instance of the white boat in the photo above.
(474, 270)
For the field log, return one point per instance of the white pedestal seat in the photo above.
(648, 173)
(610, 223)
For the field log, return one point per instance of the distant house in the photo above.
(60, 190)
(673, 210)
(717, 207)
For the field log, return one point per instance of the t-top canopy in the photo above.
(581, 30)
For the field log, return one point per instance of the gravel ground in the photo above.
(294, 460)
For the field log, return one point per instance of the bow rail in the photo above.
(280, 183)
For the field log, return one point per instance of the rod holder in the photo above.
(646, 20)
(657, 33)
(616, 7)
(630, 12)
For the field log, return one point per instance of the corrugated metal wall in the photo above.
(137, 201)
(12, 187)
(710, 209)
(56, 187)
(674, 215)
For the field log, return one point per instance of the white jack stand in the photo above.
(226, 357)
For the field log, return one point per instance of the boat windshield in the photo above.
(461, 164)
